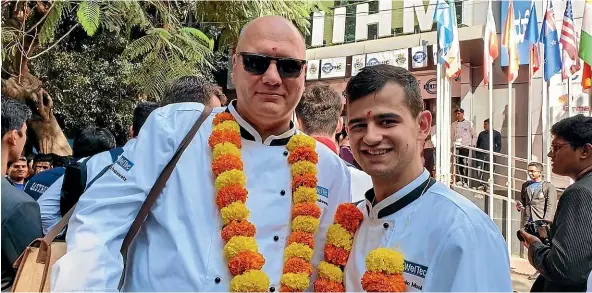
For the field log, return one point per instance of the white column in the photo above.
(510, 173)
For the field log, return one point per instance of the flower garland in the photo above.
(241, 250)
(384, 271)
(339, 243)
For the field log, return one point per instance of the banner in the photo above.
(558, 97)
(312, 72)
(358, 62)
(419, 57)
(402, 58)
(395, 58)
(333, 67)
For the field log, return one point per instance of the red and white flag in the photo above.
(571, 60)
(490, 46)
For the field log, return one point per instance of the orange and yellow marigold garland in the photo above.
(384, 271)
(339, 243)
(241, 251)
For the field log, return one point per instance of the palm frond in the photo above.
(51, 22)
(89, 16)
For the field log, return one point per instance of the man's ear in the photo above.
(234, 65)
(339, 127)
(424, 120)
(586, 151)
(131, 131)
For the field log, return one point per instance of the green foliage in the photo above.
(89, 16)
(47, 33)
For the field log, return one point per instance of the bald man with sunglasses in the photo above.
(180, 246)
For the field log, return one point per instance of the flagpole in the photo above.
(510, 197)
(491, 179)
(569, 103)
(529, 114)
(439, 133)
(545, 130)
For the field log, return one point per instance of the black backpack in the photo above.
(75, 177)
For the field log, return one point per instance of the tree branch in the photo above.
(55, 44)
(42, 18)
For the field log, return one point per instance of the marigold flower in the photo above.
(306, 209)
(338, 236)
(330, 271)
(239, 244)
(336, 255)
(303, 167)
(302, 237)
(349, 217)
(230, 177)
(385, 260)
(285, 288)
(229, 194)
(227, 125)
(380, 282)
(305, 224)
(222, 136)
(225, 148)
(221, 117)
(251, 281)
(324, 285)
(226, 163)
(297, 282)
(297, 265)
(236, 211)
(306, 180)
(238, 228)
(305, 194)
(245, 261)
(298, 250)
(303, 154)
(301, 140)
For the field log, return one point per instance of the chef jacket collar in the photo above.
(389, 205)
(248, 132)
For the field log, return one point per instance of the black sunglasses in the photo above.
(258, 64)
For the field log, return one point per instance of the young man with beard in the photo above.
(448, 244)
(200, 233)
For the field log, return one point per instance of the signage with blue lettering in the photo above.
(125, 163)
(415, 269)
(521, 14)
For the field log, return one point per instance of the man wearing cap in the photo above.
(463, 135)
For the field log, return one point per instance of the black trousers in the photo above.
(462, 163)
(483, 172)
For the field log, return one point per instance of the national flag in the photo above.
(532, 36)
(448, 44)
(571, 60)
(490, 47)
(510, 42)
(586, 77)
(551, 44)
(586, 35)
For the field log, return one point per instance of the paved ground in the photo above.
(521, 283)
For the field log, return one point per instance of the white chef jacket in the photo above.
(447, 242)
(463, 133)
(179, 247)
(49, 201)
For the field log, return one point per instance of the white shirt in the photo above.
(448, 243)
(49, 201)
(589, 283)
(360, 183)
(179, 247)
(463, 133)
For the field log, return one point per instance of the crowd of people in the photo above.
(278, 191)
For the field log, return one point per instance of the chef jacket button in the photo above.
(217, 280)
(276, 238)
(271, 289)
(285, 153)
(283, 192)
(385, 225)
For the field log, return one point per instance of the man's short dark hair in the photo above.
(141, 113)
(191, 89)
(21, 158)
(43, 158)
(576, 130)
(14, 115)
(373, 78)
(538, 165)
(91, 141)
(319, 109)
(461, 110)
(486, 120)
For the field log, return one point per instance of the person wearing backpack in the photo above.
(94, 152)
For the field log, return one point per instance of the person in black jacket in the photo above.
(564, 265)
(482, 161)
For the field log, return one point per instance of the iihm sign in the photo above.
(421, 10)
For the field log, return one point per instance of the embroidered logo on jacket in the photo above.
(124, 163)
(323, 195)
